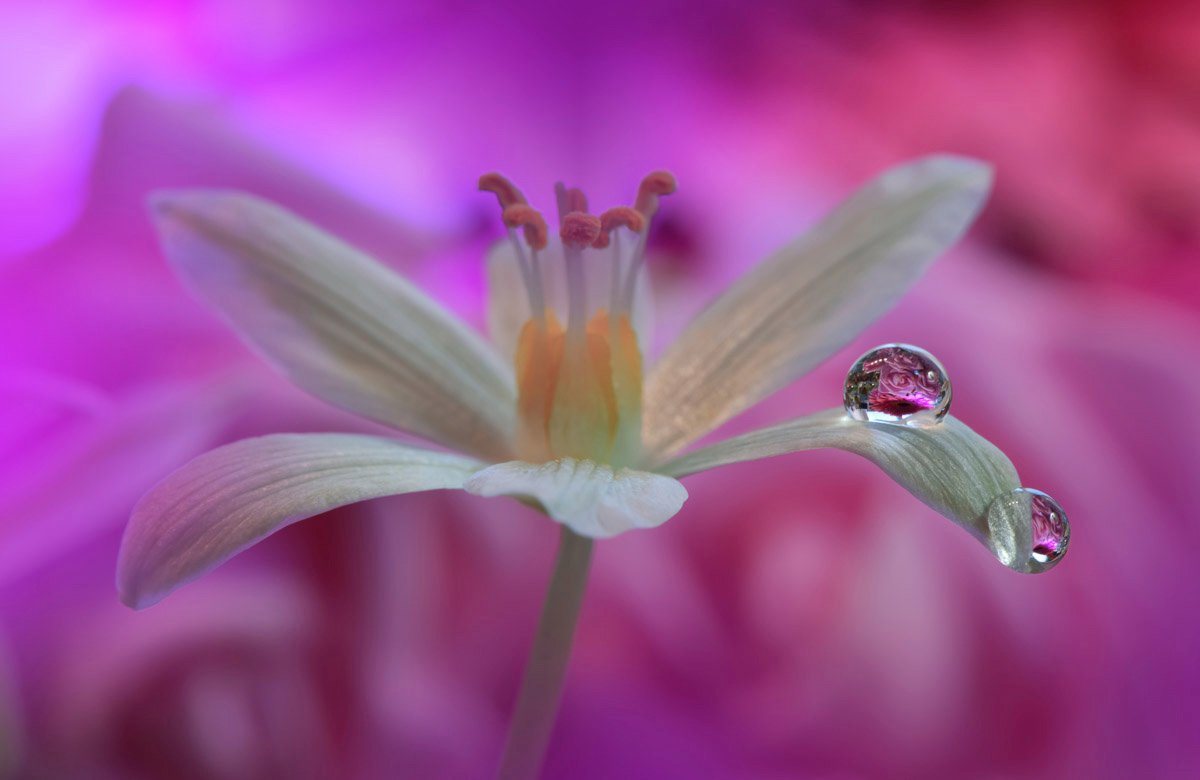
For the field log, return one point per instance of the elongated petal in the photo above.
(226, 500)
(590, 498)
(342, 326)
(948, 466)
(810, 298)
(508, 300)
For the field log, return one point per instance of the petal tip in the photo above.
(969, 172)
(132, 568)
(159, 202)
(130, 590)
(135, 600)
(186, 204)
(170, 201)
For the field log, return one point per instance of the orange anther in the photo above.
(522, 215)
(579, 230)
(506, 192)
(652, 187)
(621, 216)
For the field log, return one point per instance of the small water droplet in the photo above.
(1051, 529)
(897, 383)
(1048, 531)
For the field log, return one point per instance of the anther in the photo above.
(576, 200)
(621, 216)
(652, 187)
(579, 230)
(506, 192)
(522, 215)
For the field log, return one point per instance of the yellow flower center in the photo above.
(579, 386)
(579, 397)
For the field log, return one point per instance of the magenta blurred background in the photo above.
(803, 616)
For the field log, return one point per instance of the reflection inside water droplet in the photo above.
(897, 383)
(1028, 517)
(1051, 531)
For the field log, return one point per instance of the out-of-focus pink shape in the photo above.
(1087, 116)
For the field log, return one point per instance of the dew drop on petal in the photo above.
(1049, 529)
(897, 383)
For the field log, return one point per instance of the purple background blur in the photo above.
(803, 616)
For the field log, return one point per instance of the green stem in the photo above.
(541, 688)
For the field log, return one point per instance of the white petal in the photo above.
(508, 300)
(342, 326)
(588, 497)
(810, 298)
(948, 466)
(228, 499)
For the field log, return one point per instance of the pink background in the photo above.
(803, 616)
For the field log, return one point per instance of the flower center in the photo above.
(579, 385)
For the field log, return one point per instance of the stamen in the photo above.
(621, 216)
(652, 187)
(560, 201)
(524, 216)
(580, 388)
(576, 200)
(506, 192)
(578, 231)
(614, 296)
(569, 200)
(534, 227)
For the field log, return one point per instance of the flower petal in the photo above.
(810, 298)
(947, 466)
(508, 300)
(342, 326)
(227, 499)
(590, 498)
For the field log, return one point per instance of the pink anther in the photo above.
(652, 187)
(576, 200)
(522, 215)
(620, 216)
(506, 192)
(579, 230)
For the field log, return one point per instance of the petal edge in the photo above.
(339, 324)
(810, 298)
(590, 498)
(230, 498)
(947, 466)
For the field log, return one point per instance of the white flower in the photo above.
(568, 422)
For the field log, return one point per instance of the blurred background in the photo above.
(803, 617)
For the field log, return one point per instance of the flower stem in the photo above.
(541, 688)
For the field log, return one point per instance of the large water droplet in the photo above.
(898, 383)
(1029, 530)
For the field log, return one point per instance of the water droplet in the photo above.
(898, 383)
(1032, 522)
(1051, 529)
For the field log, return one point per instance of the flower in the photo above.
(573, 429)
(877, 642)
